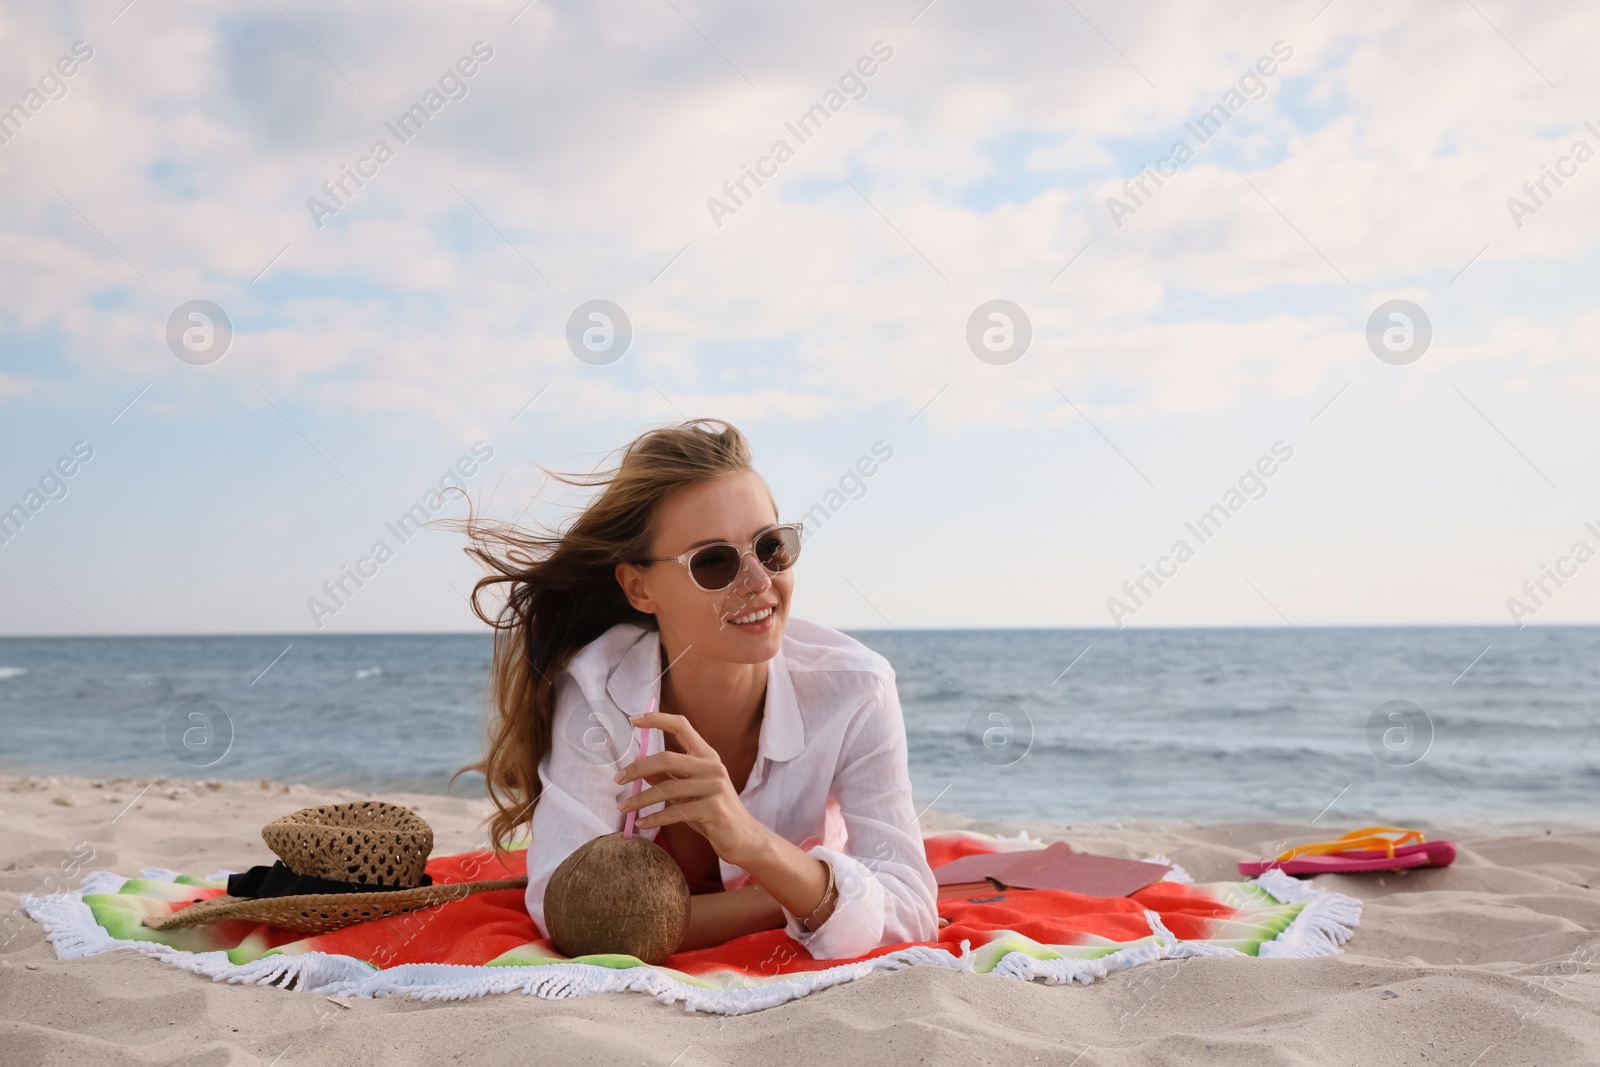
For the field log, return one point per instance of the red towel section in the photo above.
(471, 931)
(487, 925)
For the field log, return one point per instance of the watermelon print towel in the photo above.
(487, 943)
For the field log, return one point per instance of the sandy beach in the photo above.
(1489, 963)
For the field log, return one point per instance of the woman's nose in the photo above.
(753, 577)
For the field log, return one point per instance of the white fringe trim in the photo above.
(1321, 927)
(1065, 971)
(1327, 921)
(1177, 874)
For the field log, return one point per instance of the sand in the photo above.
(1493, 962)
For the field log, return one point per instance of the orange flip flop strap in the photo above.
(1366, 839)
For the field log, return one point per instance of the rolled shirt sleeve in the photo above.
(590, 742)
(886, 893)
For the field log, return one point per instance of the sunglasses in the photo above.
(716, 566)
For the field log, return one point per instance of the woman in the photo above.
(781, 788)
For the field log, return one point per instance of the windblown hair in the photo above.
(561, 593)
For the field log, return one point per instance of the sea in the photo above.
(1467, 727)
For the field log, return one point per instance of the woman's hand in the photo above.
(697, 791)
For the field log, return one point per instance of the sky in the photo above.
(1210, 330)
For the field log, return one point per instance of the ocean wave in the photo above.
(12, 672)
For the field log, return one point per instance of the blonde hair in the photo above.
(561, 593)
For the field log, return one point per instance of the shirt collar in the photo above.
(636, 680)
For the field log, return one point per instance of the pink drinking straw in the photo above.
(638, 785)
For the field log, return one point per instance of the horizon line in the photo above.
(1109, 630)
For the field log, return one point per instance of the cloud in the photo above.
(591, 141)
(12, 386)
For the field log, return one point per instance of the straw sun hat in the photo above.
(338, 865)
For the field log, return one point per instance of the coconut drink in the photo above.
(618, 895)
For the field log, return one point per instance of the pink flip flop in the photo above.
(1358, 851)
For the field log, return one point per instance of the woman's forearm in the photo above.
(786, 878)
(718, 917)
(796, 881)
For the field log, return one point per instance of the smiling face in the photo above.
(740, 624)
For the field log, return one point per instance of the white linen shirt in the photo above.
(830, 777)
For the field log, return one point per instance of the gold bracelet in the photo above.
(828, 895)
